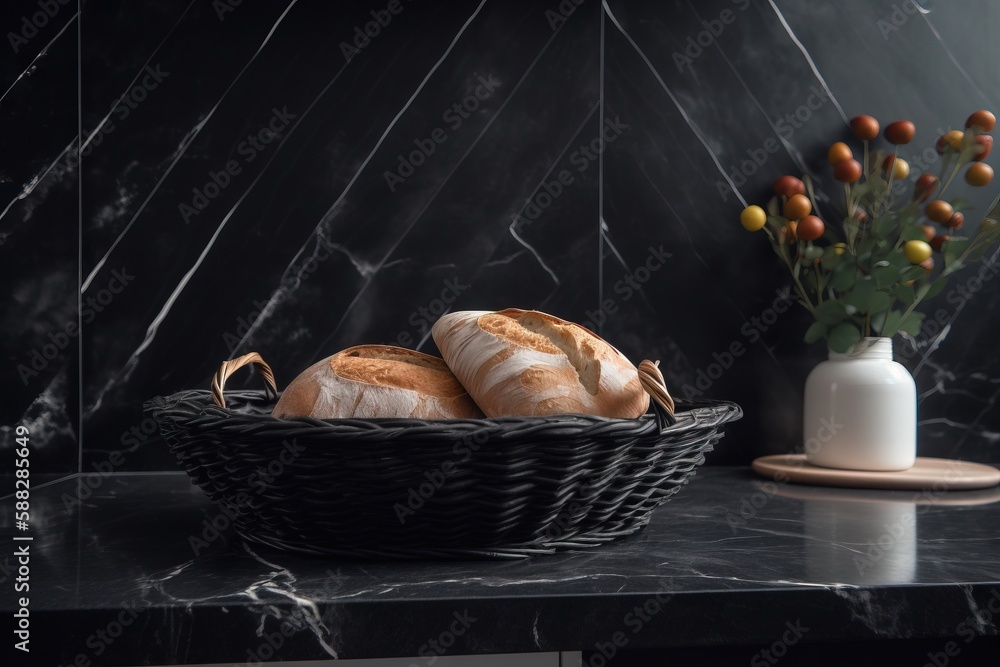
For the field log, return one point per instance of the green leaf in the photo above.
(909, 214)
(911, 323)
(935, 287)
(844, 277)
(885, 276)
(773, 207)
(885, 225)
(891, 325)
(861, 295)
(905, 294)
(812, 252)
(776, 222)
(879, 302)
(952, 249)
(843, 336)
(831, 260)
(913, 233)
(895, 322)
(830, 312)
(914, 272)
(816, 331)
(886, 271)
(811, 283)
(866, 246)
(878, 319)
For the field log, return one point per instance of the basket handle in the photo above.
(652, 381)
(231, 366)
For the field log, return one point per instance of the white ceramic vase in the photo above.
(860, 410)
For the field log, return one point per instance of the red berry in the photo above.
(788, 186)
(810, 228)
(984, 144)
(864, 127)
(929, 232)
(955, 221)
(937, 242)
(900, 132)
(926, 185)
(847, 171)
(927, 182)
(983, 119)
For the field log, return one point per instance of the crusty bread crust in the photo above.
(388, 367)
(377, 381)
(527, 363)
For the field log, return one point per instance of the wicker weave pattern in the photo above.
(507, 488)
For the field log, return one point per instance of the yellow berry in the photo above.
(917, 251)
(753, 218)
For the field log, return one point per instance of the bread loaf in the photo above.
(527, 363)
(373, 381)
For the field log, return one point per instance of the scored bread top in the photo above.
(544, 333)
(518, 363)
(375, 381)
(387, 366)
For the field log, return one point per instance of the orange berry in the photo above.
(839, 152)
(979, 174)
(797, 207)
(939, 211)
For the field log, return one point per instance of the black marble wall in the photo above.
(298, 177)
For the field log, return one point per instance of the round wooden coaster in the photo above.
(940, 474)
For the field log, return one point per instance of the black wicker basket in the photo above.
(406, 488)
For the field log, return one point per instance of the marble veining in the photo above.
(716, 551)
(312, 247)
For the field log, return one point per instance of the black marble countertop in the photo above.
(130, 572)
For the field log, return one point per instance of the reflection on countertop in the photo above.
(729, 550)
